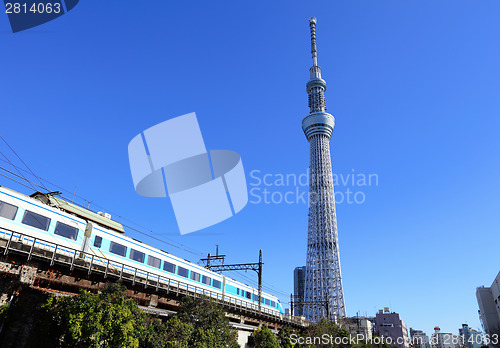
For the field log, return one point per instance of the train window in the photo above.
(195, 276)
(273, 304)
(117, 249)
(216, 284)
(256, 297)
(66, 231)
(36, 220)
(207, 280)
(249, 295)
(169, 267)
(268, 302)
(154, 261)
(183, 272)
(97, 241)
(237, 291)
(137, 255)
(7, 210)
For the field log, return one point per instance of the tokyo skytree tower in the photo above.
(324, 297)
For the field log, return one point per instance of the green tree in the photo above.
(330, 329)
(176, 333)
(211, 328)
(264, 338)
(284, 337)
(109, 319)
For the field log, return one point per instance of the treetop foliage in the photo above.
(111, 320)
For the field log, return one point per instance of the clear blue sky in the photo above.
(413, 86)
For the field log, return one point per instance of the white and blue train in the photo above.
(74, 229)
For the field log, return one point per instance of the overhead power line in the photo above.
(15, 153)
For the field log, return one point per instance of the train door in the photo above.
(86, 238)
(223, 287)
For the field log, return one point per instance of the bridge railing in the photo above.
(13, 241)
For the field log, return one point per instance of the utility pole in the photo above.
(214, 258)
(260, 277)
(257, 267)
(296, 301)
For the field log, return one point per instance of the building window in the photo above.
(154, 261)
(137, 255)
(36, 220)
(7, 210)
(117, 249)
(66, 231)
(97, 241)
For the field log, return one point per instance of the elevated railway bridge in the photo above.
(41, 265)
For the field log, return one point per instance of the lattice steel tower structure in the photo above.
(324, 297)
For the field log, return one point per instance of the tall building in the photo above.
(391, 325)
(471, 338)
(361, 327)
(419, 339)
(488, 300)
(299, 278)
(324, 296)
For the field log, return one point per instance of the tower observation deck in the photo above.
(324, 296)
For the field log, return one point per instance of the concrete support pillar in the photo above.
(153, 301)
(28, 274)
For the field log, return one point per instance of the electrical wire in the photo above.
(255, 284)
(16, 168)
(15, 153)
(22, 177)
(8, 177)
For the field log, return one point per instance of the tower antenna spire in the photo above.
(314, 50)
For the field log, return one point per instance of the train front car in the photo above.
(24, 219)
